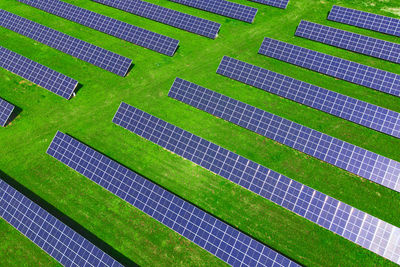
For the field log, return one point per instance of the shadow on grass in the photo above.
(14, 114)
(68, 221)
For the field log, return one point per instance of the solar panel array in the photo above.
(351, 109)
(351, 41)
(41, 75)
(222, 7)
(167, 16)
(276, 3)
(145, 38)
(377, 79)
(50, 234)
(365, 20)
(206, 231)
(344, 155)
(77, 48)
(6, 110)
(338, 217)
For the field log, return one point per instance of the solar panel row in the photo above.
(338, 217)
(167, 16)
(351, 109)
(203, 229)
(50, 234)
(351, 41)
(145, 38)
(344, 155)
(77, 48)
(6, 109)
(377, 79)
(223, 8)
(41, 75)
(365, 20)
(276, 3)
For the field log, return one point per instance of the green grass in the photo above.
(88, 118)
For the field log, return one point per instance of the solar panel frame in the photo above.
(203, 229)
(275, 3)
(334, 215)
(342, 106)
(46, 231)
(167, 16)
(223, 8)
(365, 20)
(350, 41)
(119, 29)
(43, 76)
(6, 110)
(336, 67)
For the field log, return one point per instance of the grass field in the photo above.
(130, 235)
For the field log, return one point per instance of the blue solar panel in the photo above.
(223, 8)
(338, 217)
(351, 109)
(351, 41)
(167, 16)
(203, 229)
(6, 110)
(50, 234)
(276, 3)
(65, 43)
(344, 155)
(377, 79)
(151, 40)
(41, 75)
(365, 20)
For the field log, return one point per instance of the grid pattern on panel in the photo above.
(224, 8)
(377, 79)
(206, 231)
(145, 38)
(365, 20)
(77, 48)
(351, 41)
(50, 234)
(6, 110)
(324, 147)
(315, 206)
(38, 74)
(351, 109)
(276, 3)
(167, 16)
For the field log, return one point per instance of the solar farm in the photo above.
(199, 133)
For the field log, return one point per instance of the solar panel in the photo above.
(38, 74)
(215, 236)
(77, 48)
(351, 109)
(6, 109)
(377, 79)
(167, 16)
(50, 234)
(338, 217)
(223, 8)
(145, 38)
(351, 41)
(365, 20)
(344, 155)
(276, 3)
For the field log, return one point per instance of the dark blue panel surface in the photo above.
(6, 110)
(276, 3)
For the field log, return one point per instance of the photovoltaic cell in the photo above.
(151, 40)
(6, 110)
(50, 234)
(351, 109)
(276, 3)
(65, 43)
(351, 41)
(338, 217)
(365, 20)
(377, 79)
(38, 74)
(223, 8)
(344, 155)
(167, 16)
(203, 229)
